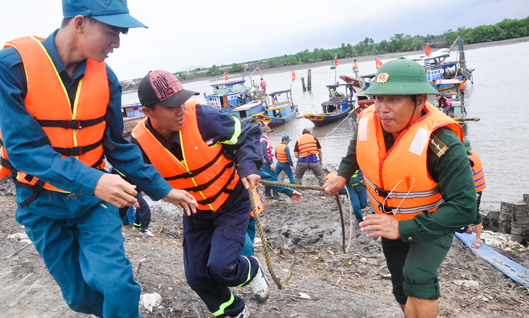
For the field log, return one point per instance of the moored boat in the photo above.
(132, 114)
(245, 112)
(457, 110)
(233, 94)
(337, 107)
(280, 110)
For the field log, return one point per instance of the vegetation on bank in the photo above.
(506, 29)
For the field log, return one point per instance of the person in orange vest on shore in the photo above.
(479, 181)
(308, 151)
(214, 157)
(61, 116)
(418, 180)
(355, 68)
(284, 160)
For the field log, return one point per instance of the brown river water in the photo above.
(501, 137)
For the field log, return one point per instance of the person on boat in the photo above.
(66, 202)
(215, 157)
(416, 172)
(462, 86)
(284, 160)
(355, 68)
(263, 84)
(444, 103)
(480, 184)
(308, 152)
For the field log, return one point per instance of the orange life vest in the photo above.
(5, 165)
(73, 131)
(258, 202)
(281, 154)
(477, 170)
(398, 181)
(205, 171)
(355, 67)
(462, 85)
(307, 145)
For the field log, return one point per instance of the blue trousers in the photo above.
(248, 248)
(268, 175)
(288, 171)
(358, 196)
(212, 255)
(85, 256)
(143, 213)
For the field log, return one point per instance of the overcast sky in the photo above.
(207, 32)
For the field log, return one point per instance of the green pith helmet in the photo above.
(401, 77)
(467, 145)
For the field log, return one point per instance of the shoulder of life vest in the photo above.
(205, 171)
(48, 102)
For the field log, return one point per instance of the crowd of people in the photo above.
(61, 107)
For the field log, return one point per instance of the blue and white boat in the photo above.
(280, 110)
(337, 107)
(438, 66)
(229, 95)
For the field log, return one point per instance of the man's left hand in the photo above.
(253, 178)
(380, 225)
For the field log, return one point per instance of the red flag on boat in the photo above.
(293, 76)
(427, 50)
(260, 71)
(379, 64)
(335, 60)
(225, 75)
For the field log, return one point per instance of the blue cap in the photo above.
(111, 12)
(286, 137)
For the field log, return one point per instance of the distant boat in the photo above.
(280, 110)
(232, 94)
(439, 66)
(339, 105)
(132, 114)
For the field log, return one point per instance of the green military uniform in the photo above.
(413, 260)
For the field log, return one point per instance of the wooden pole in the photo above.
(309, 80)
(303, 84)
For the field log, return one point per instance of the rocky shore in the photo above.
(325, 282)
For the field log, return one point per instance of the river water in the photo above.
(497, 97)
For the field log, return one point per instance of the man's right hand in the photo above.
(333, 185)
(113, 189)
(183, 200)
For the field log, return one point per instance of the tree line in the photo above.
(506, 29)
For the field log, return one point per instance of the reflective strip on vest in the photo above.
(48, 102)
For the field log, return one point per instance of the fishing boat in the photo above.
(458, 111)
(230, 95)
(438, 66)
(280, 110)
(132, 114)
(245, 112)
(337, 107)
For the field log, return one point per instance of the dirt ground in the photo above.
(325, 282)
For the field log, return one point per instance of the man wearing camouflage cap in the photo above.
(418, 179)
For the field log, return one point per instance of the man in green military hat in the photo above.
(418, 179)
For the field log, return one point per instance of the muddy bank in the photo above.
(326, 282)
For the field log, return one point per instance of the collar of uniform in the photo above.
(162, 140)
(49, 45)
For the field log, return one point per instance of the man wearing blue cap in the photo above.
(61, 115)
(284, 160)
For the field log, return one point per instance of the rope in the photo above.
(281, 285)
(350, 113)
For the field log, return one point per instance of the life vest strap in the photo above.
(194, 173)
(36, 190)
(210, 182)
(6, 164)
(71, 124)
(77, 151)
(223, 190)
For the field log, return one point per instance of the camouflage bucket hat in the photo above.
(401, 77)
